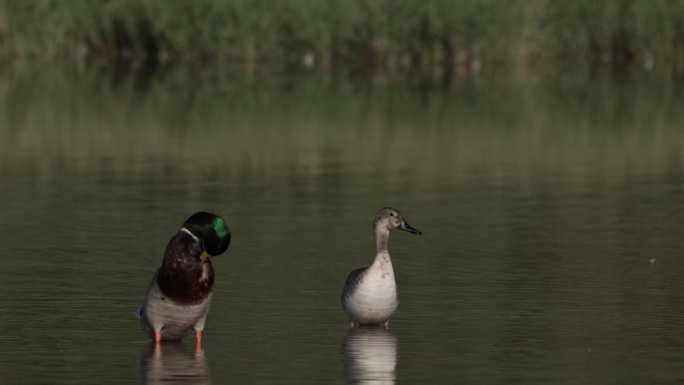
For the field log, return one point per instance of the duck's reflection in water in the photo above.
(370, 355)
(173, 363)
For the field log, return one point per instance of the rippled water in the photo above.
(551, 216)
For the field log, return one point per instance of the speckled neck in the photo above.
(381, 239)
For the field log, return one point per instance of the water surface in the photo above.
(550, 207)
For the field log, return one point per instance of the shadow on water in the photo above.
(173, 363)
(370, 355)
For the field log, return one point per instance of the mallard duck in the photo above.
(179, 295)
(369, 296)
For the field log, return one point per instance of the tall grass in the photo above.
(359, 33)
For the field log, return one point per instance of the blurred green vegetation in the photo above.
(368, 34)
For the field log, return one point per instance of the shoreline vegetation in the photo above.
(369, 35)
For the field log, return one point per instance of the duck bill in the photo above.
(204, 257)
(406, 227)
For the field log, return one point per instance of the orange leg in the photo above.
(198, 339)
(157, 340)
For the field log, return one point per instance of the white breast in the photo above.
(173, 320)
(374, 297)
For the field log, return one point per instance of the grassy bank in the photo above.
(369, 34)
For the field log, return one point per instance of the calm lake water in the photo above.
(552, 210)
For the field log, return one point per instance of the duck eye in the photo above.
(391, 214)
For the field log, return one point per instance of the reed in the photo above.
(368, 34)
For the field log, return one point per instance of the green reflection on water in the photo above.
(226, 122)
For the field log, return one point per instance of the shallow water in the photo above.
(550, 211)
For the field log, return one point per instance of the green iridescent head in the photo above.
(211, 230)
